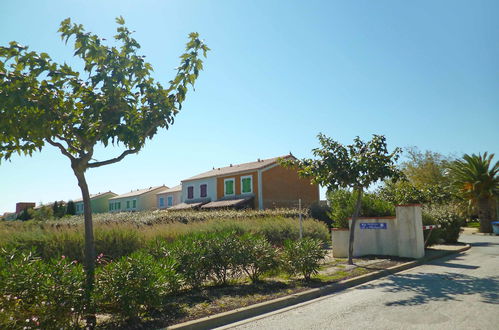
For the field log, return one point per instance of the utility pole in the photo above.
(301, 222)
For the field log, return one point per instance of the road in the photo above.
(456, 292)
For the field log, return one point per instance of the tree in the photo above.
(354, 166)
(425, 180)
(24, 215)
(478, 181)
(117, 102)
(59, 209)
(70, 208)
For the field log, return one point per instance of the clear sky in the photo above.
(423, 73)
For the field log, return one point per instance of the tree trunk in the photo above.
(355, 215)
(89, 262)
(484, 215)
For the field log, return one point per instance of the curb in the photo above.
(217, 320)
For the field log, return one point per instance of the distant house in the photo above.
(262, 184)
(21, 206)
(169, 197)
(98, 202)
(136, 200)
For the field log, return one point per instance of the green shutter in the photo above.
(134, 203)
(229, 187)
(246, 185)
(127, 204)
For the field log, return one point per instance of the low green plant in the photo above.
(223, 255)
(257, 256)
(342, 204)
(35, 294)
(450, 219)
(134, 286)
(303, 257)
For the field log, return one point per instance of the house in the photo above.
(136, 200)
(169, 197)
(261, 184)
(98, 202)
(21, 206)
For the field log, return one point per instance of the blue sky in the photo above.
(423, 73)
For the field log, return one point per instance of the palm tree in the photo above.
(478, 181)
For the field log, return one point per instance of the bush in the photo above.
(258, 256)
(37, 294)
(321, 213)
(450, 219)
(431, 237)
(343, 205)
(303, 257)
(134, 286)
(223, 255)
(189, 253)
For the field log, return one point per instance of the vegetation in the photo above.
(355, 167)
(114, 239)
(49, 293)
(342, 204)
(115, 101)
(303, 257)
(448, 217)
(477, 178)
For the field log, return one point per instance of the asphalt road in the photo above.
(456, 292)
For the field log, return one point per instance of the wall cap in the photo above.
(383, 218)
(340, 229)
(408, 205)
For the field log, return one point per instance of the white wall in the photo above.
(399, 236)
(211, 189)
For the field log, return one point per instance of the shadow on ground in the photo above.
(446, 286)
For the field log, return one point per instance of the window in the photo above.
(246, 184)
(134, 203)
(118, 205)
(111, 206)
(203, 189)
(161, 202)
(170, 201)
(229, 187)
(190, 192)
(127, 204)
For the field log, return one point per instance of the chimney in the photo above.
(230, 165)
(258, 160)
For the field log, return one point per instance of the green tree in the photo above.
(425, 180)
(24, 215)
(478, 181)
(116, 101)
(355, 166)
(70, 208)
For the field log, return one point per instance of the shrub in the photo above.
(303, 257)
(189, 253)
(223, 255)
(258, 256)
(431, 237)
(343, 204)
(321, 212)
(450, 219)
(37, 294)
(134, 285)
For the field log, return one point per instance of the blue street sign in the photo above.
(374, 225)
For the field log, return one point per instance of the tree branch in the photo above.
(113, 160)
(70, 145)
(61, 147)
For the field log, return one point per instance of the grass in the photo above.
(120, 234)
(473, 224)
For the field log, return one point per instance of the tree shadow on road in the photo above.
(445, 286)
